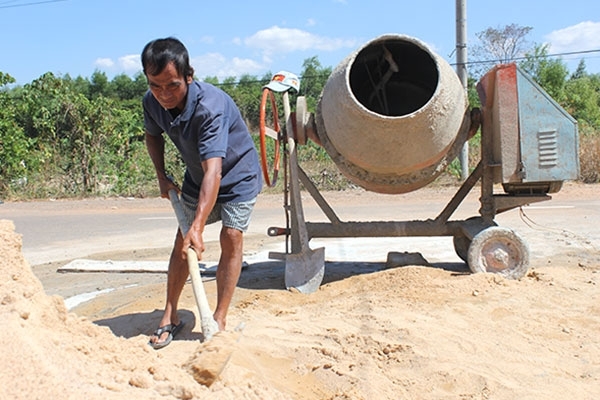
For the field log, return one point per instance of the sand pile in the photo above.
(50, 353)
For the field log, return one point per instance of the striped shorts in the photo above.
(232, 215)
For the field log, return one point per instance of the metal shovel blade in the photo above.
(304, 271)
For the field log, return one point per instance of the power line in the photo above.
(234, 83)
(28, 4)
(570, 53)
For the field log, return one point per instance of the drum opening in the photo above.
(393, 77)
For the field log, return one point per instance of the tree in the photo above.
(79, 85)
(499, 45)
(213, 80)
(550, 74)
(122, 87)
(314, 78)
(582, 100)
(99, 85)
(580, 72)
(473, 96)
(247, 94)
(14, 145)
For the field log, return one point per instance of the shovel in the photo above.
(207, 322)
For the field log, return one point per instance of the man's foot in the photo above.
(221, 321)
(167, 333)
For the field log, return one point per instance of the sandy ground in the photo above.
(414, 332)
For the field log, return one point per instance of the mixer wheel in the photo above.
(461, 246)
(499, 250)
(269, 127)
(462, 241)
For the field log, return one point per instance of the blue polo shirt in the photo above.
(209, 126)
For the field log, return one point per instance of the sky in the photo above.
(233, 38)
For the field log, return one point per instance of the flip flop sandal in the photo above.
(173, 331)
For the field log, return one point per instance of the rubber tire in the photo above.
(461, 246)
(462, 242)
(499, 250)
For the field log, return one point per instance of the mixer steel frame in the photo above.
(477, 240)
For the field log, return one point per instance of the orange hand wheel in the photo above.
(269, 127)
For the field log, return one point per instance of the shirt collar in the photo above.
(190, 102)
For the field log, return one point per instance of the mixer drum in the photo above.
(393, 115)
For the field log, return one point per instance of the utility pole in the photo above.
(461, 71)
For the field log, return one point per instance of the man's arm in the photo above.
(156, 150)
(209, 190)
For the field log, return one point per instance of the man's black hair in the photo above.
(160, 52)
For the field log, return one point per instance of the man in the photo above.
(222, 177)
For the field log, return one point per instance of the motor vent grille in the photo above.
(547, 148)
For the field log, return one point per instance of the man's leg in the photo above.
(228, 271)
(176, 277)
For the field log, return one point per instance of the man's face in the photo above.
(169, 88)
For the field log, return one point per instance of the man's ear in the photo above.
(190, 77)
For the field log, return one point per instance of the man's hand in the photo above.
(165, 184)
(194, 240)
(209, 189)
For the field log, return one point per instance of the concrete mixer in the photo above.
(392, 116)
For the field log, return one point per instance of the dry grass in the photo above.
(589, 161)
